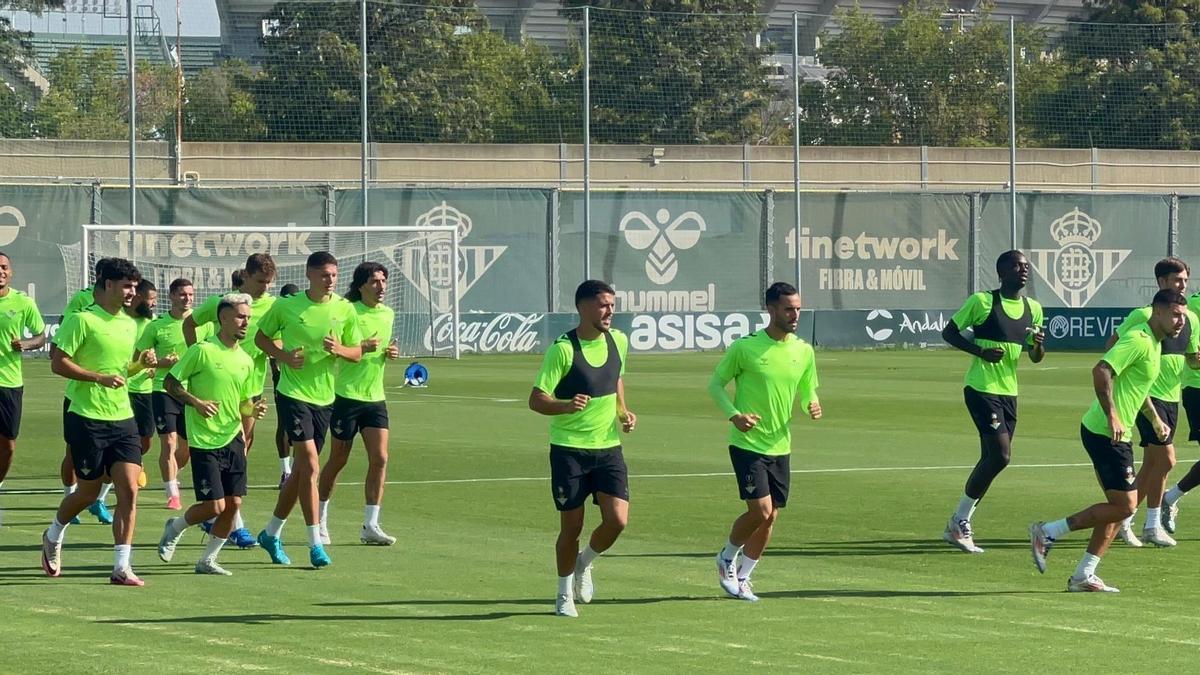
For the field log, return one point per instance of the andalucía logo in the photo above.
(1075, 271)
(662, 239)
(425, 261)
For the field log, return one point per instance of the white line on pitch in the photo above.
(465, 398)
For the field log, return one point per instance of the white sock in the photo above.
(172, 488)
(213, 547)
(371, 515)
(69, 490)
(566, 585)
(285, 464)
(1152, 516)
(1128, 522)
(122, 553)
(966, 508)
(745, 567)
(178, 525)
(586, 557)
(314, 535)
(275, 526)
(325, 512)
(56, 531)
(730, 551)
(1087, 566)
(104, 490)
(238, 523)
(1173, 495)
(1056, 529)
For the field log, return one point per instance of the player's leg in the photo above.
(282, 448)
(995, 419)
(376, 441)
(232, 486)
(168, 464)
(205, 471)
(569, 491)
(779, 479)
(307, 469)
(1158, 460)
(343, 427)
(754, 489)
(1170, 504)
(10, 426)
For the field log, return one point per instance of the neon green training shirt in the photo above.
(363, 381)
(767, 374)
(1168, 386)
(102, 343)
(995, 378)
(18, 314)
(1191, 378)
(206, 314)
(594, 427)
(143, 381)
(80, 301)
(165, 336)
(214, 372)
(1135, 358)
(300, 322)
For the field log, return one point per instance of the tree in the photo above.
(1132, 79)
(219, 105)
(435, 74)
(89, 98)
(675, 71)
(920, 81)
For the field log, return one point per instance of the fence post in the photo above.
(973, 257)
(1012, 131)
(767, 260)
(587, 144)
(330, 205)
(362, 112)
(924, 167)
(747, 176)
(97, 200)
(131, 52)
(796, 142)
(552, 276)
(1095, 168)
(1173, 224)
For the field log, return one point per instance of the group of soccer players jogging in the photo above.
(196, 377)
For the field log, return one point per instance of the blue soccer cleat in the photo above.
(318, 557)
(242, 538)
(274, 548)
(101, 512)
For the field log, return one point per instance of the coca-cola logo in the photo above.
(510, 332)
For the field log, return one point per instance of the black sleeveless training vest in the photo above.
(1000, 327)
(584, 378)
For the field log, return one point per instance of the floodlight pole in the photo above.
(796, 143)
(1012, 132)
(363, 113)
(587, 144)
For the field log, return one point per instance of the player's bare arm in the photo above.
(953, 336)
(544, 404)
(63, 366)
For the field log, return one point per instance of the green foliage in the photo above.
(219, 105)
(690, 73)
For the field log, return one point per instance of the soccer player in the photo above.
(141, 385)
(360, 406)
(769, 368)
(1178, 353)
(220, 402)
(316, 328)
(257, 277)
(81, 300)
(18, 314)
(1004, 322)
(94, 349)
(581, 387)
(1122, 380)
(163, 339)
(282, 449)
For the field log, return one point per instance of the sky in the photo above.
(199, 19)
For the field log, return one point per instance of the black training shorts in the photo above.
(576, 473)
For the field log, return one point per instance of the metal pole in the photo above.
(796, 142)
(131, 52)
(363, 112)
(587, 145)
(1012, 132)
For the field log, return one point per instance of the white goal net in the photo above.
(424, 266)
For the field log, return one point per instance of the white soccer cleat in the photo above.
(1158, 537)
(1092, 584)
(166, 545)
(1040, 545)
(1168, 515)
(565, 606)
(584, 588)
(746, 591)
(374, 535)
(51, 556)
(959, 535)
(1125, 532)
(210, 566)
(727, 576)
(323, 532)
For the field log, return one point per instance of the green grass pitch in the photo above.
(857, 578)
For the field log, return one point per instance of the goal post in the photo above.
(424, 266)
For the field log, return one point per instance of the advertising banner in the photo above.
(40, 231)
